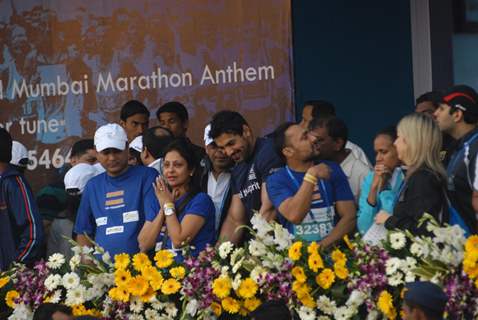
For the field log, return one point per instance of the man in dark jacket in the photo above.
(21, 230)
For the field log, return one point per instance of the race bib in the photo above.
(316, 225)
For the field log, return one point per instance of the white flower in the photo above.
(21, 312)
(261, 225)
(70, 280)
(283, 238)
(136, 305)
(224, 270)
(75, 296)
(356, 298)
(75, 262)
(419, 250)
(171, 310)
(326, 305)
(106, 257)
(237, 265)
(409, 264)
(323, 318)
(135, 317)
(372, 315)
(397, 240)
(395, 280)
(52, 282)
(151, 314)
(257, 248)
(392, 265)
(236, 255)
(225, 248)
(257, 272)
(343, 313)
(55, 297)
(306, 313)
(55, 261)
(94, 292)
(410, 277)
(192, 307)
(158, 305)
(237, 281)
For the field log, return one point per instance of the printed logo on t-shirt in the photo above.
(114, 230)
(101, 221)
(130, 216)
(252, 174)
(114, 200)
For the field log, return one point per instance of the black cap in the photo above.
(462, 97)
(426, 294)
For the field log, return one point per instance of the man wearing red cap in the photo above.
(457, 115)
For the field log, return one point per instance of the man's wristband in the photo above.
(310, 178)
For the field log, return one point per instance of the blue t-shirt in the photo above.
(113, 209)
(200, 205)
(248, 176)
(320, 220)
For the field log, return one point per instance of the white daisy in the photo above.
(171, 310)
(326, 305)
(136, 305)
(342, 313)
(75, 262)
(52, 282)
(151, 314)
(55, 297)
(75, 296)
(70, 280)
(55, 261)
(397, 240)
(225, 248)
(395, 280)
(392, 265)
(192, 307)
(306, 313)
(257, 248)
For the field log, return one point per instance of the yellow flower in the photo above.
(216, 308)
(221, 286)
(4, 281)
(295, 251)
(170, 286)
(300, 289)
(476, 283)
(243, 311)
(299, 274)
(178, 272)
(155, 279)
(163, 258)
(247, 288)
(80, 310)
(339, 257)
(119, 294)
(313, 248)
(315, 262)
(10, 298)
(325, 278)
(341, 271)
(138, 285)
(122, 261)
(349, 243)
(471, 271)
(140, 261)
(308, 301)
(471, 243)
(252, 304)
(385, 305)
(122, 277)
(148, 295)
(230, 305)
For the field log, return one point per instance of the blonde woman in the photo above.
(418, 146)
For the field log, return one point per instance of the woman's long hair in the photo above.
(424, 141)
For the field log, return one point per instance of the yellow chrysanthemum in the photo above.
(308, 301)
(348, 242)
(10, 298)
(243, 311)
(122, 277)
(178, 272)
(4, 281)
(339, 257)
(299, 274)
(326, 278)
(138, 285)
(216, 308)
(80, 310)
(385, 305)
(471, 244)
(170, 286)
(119, 294)
(313, 248)
(295, 251)
(149, 295)
(341, 271)
(230, 305)
(315, 262)
(247, 289)
(141, 261)
(471, 271)
(155, 279)
(252, 304)
(163, 258)
(300, 289)
(122, 261)
(221, 286)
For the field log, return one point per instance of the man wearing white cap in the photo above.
(135, 148)
(216, 178)
(19, 156)
(114, 203)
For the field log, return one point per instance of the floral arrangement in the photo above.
(354, 280)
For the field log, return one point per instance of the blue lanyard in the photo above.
(322, 185)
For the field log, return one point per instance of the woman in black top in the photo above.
(423, 191)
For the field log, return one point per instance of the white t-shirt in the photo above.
(358, 152)
(356, 171)
(217, 190)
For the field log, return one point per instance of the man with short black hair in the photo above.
(423, 300)
(309, 197)
(330, 135)
(255, 160)
(134, 118)
(428, 102)
(174, 116)
(21, 230)
(155, 140)
(83, 151)
(457, 116)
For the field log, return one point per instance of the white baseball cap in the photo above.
(19, 154)
(207, 140)
(137, 144)
(77, 177)
(110, 135)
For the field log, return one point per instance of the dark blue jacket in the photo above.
(21, 228)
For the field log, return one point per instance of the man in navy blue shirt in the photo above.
(308, 196)
(114, 203)
(255, 159)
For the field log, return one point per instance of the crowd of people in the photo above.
(135, 188)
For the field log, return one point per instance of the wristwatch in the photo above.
(168, 209)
